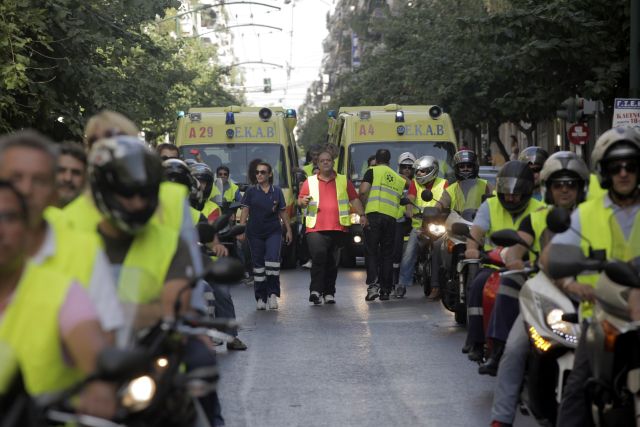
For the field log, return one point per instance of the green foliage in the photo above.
(515, 61)
(73, 58)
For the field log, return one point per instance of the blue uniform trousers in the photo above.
(475, 331)
(506, 308)
(265, 255)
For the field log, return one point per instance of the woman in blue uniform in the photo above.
(264, 212)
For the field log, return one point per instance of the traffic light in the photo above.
(571, 109)
(267, 85)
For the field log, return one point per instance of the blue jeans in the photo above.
(408, 263)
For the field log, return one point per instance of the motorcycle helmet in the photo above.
(176, 170)
(534, 156)
(515, 177)
(466, 157)
(406, 159)
(426, 164)
(124, 166)
(614, 144)
(564, 166)
(203, 173)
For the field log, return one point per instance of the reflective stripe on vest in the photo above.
(474, 197)
(501, 219)
(386, 189)
(145, 267)
(437, 189)
(31, 330)
(341, 194)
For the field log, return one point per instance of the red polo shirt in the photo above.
(327, 218)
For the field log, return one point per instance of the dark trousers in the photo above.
(324, 248)
(197, 355)
(574, 409)
(506, 308)
(475, 332)
(265, 255)
(223, 304)
(378, 238)
(436, 262)
(402, 228)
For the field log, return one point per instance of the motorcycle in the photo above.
(550, 318)
(432, 229)
(452, 252)
(147, 367)
(612, 337)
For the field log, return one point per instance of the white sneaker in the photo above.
(329, 299)
(307, 264)
(261, 305)
(273, 302)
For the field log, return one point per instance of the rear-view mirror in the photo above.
(460, 229)
(568, 260)
(558, 220)
(622, 273)
(225, 270)
(117, 364)
(426, 195)
(507, 238)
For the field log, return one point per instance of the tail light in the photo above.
(610, 335)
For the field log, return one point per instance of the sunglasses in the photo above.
(465, 166)
(616, 168)
(406, 166)
(144, 192)
(571, 185)
(223, 174)
(262, 172)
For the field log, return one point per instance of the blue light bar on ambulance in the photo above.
(435, 112)
(290, 113)
(401, 130)
(180, 114)
(230, 119)
(332, 114)
(230, 133)
(399, 116)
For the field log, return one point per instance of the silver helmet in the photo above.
(564, 165)
(428, 164)
(614, 144)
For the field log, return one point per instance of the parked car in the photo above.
(489, 173)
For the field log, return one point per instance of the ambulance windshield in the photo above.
(360, 153)
(238, 156)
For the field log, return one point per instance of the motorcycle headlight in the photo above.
(355, 218)
(436, 229)
(565, 330)
(138, 394)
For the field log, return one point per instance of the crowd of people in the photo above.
(134, 212)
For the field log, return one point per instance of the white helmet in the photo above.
(427, 164)
(616, 143)
(564, 164)
(406, 159)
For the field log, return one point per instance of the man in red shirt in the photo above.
(327, 196)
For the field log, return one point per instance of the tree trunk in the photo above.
(494, 136)
(528, 132)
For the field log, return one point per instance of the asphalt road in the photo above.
(356, 363)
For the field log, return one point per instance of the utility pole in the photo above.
(634, 59)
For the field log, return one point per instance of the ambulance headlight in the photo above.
(138, 394)
(436, 229)
(229, 133)
(401, 130)
(355, 218)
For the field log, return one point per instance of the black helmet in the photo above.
(466, 157)
(123, 165)
(176, 170)
(515, 177)
(203, 173)
(534, 156)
